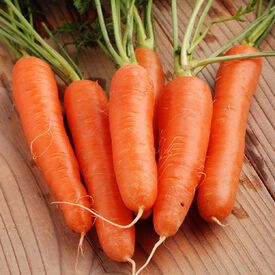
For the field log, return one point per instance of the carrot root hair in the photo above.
(218, 222)
(34, 156)
(136, 219)
(79, 250)
(157, 244)
(133, 264)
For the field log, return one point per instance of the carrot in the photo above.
(36, 98)
(131, 117)
(186, 101)
(235, 84)
(86, 108)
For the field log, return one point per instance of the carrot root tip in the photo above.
(157, 244)
(133, 264)
(79, 250)
(80, 245)
(218, 222)
(93, 212)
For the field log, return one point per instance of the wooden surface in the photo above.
(33, 235)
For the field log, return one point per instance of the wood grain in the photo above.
(33, 235)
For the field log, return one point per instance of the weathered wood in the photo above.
(35, 240)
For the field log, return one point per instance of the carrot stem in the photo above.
(259, 8)
(241, 34)
(149, 25)
(62, 50)
(187, 35)
(235, 17)
(41, 49)
(117, 30)
(129, 33)
(196, 36)
(204, 62)
(115, 56)
(176, 47)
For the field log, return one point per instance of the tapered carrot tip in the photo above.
(218, 222)
(157, 244)
(146, 214)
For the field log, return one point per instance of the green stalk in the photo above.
(176, 48)
(197, 32)
(9, 45)
(141, 35)
(235, 38)
(149, 25)
(62, 50)
(129, 32)
(124, 52)
(117, 30)
(204, 62)
(260, 30)
(187, 36)
(104, 48)
(207, 29)
(14, 27)
(259, 8)
(115, 56)
(265, 33)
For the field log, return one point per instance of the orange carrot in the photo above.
(131, 124)
(235, 85)
(131, 114)
(36, 98)
(185, 112)
(86, 108)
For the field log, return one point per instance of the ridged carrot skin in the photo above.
(86, 108)
(184, 118)
(235, 85)
(131, 124)
(36, 98)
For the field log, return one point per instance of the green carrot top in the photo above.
(123, 53)
(256, 36)
(19, 35)
(185, 64)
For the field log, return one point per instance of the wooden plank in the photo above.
(35, 240)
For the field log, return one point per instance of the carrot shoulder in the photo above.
(36, 98)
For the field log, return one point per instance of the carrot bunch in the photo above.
(86, 107)
(115, 139)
